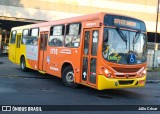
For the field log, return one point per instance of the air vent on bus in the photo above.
(124, 76)
(126, 82)
(126, 70)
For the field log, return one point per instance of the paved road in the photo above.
(38, 89)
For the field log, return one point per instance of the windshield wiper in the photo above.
(124, 38)
(136, 37)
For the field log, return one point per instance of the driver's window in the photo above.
(105, 36)
(105, 47)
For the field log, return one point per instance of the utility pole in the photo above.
(155, 39)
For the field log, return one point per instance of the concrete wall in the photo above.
(58, 9)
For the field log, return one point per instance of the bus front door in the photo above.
(89, 56)
(43, 51)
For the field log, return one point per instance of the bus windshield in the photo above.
(120, 46)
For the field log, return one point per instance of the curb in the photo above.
(25, 76)
(153, 81)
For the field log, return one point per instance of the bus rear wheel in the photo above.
(23, 64)
(68, 77)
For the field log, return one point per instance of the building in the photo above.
(21, 12)
(32, 11)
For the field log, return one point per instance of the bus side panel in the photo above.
(31, 56)
(23, 53)
(56, 57)
(32, 64)
(54, 61)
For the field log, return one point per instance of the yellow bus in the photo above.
(102, 50)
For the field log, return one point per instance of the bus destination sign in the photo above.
(124, 22)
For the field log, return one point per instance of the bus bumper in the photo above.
(110, 83)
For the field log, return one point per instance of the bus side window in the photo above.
(29, 40)
(105, 36)
(86, 42)
(72, 38)
(35, 41)
(25, 35)
(95, 36)
(56, 35)
(25, 32)
(34, 32)
(32, 40)
(13, 37)
(24, 40)
(105, 47)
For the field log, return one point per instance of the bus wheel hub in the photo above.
(70, 77)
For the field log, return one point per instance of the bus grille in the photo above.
(126, 82)
(126, 70)
(124, 76)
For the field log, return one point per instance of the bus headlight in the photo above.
(106, 72)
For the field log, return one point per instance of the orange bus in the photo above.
(102, 50)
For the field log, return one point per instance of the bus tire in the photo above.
(68, 77)
(23, 64)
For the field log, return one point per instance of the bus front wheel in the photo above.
(68, 77)
(23, 64)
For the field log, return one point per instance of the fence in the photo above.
(153, 56)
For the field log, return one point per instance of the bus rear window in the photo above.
(13, 37)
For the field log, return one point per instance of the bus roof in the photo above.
(82, 18)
